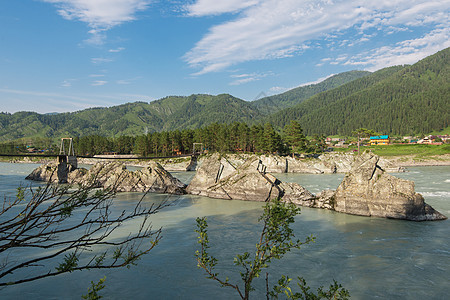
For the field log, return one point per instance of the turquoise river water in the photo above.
(373, 258)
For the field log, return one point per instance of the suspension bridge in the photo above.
(67, 155)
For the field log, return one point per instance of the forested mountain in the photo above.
(396, 100)
(169, 113)
(197, 111)
(272, 104)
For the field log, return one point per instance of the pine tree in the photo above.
(272, 140)
(293, 135)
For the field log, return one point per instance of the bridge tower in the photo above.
(67, 156)
(199, 146)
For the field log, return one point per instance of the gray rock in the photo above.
(274, 163)
(212, 169)
(250, 181)
(246, 183)
(307, 166)
(295, 193)
(152, 178)
(367, 190)
(179, 164)
(51, 172)
(327, 163)
(325, 199)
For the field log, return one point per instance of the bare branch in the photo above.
(43, 218)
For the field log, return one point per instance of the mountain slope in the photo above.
(169, 113)
(271, 104)
(396, 100)
(200, 110)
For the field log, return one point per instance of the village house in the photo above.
(430, 140)
(379, 140)
(336, 142)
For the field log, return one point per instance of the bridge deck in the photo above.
(82, 156)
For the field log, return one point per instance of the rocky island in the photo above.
(366, 190)
(219, 178)
(151, 178)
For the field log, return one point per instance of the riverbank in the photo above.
(323, 164)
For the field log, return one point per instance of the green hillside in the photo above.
(197, 111)
(169, 113)
(396, 100)
(272, 104)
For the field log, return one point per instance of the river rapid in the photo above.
(373, 258)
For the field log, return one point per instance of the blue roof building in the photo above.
(379, 140)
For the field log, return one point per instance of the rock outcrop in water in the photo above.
(367, 190)
(152, 178)
(51, 172)
(219, 178)
(326, 163)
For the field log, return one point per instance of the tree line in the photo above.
(234, 137)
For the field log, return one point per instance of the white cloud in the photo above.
(120, 49)
(246, 78)
(99, 82)
(214, 7)
(100, 15)
(123, 81)
(270, 29)
(127, 81)
(100, 60)
(67, 83)
(44, 102)
(136, 97)
(278, 89)
(405, 52)
(315, 81)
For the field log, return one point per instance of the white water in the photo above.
(373, 258)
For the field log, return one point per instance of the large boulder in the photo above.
(336, 162)
(297, 194)
(250, 181)
(326, 163)
(307, 166)
(246, 183)
(188, 163)
(274, 163)
(212, 169)
(51, 172)
(368, 190)
(152, 178)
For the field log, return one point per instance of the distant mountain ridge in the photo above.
(272, 104)
(169, 113)
(394, 100)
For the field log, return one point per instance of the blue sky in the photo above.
(68, 55)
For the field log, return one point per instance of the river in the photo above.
(373, 258)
